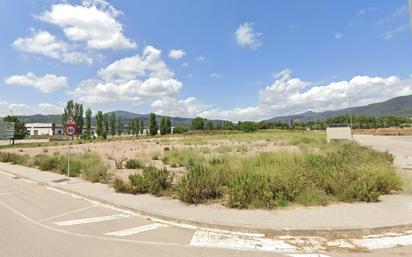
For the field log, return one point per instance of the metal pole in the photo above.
(68, 160)
(350, 111)
(410, 11)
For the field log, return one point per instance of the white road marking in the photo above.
(8, 174)
(384, 242)
(307, 255)
(136, 230)
(91, 220)
(230, 241)
(68, 213)
(213, 238)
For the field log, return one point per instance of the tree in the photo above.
(69, 109)
(105, 125)
(136, 127)
(119, 126)
(209, 125)
(88, 121)
(168, 125)
(99, 123)
(130, 127)
(20, 129)
(141, 127)
(78, 116)
(112, 122)
(152, 124)
(163, 126)
(198, 123)
(247, 126)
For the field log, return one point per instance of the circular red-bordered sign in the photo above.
(70, 130)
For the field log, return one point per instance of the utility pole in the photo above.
(350, 110)
(410, 11)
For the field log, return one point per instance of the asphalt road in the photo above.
(39, 221)
(400, 146)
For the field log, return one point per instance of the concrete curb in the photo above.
(344, 231)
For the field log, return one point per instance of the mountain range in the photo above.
(398, 106)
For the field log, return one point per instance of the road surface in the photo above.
(400, 146)
(39, 221)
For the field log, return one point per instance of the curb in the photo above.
(341, 232)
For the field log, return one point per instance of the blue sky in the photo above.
(236, 60)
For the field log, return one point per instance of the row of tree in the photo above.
(112, 124)
(204, 124)
(358, 122)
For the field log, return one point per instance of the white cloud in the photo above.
(22, 109)
(338, 35)
(215, 75)
(185, 64)
(176, 53)
(93, 22)
(289, 95)
(401, 11)
(46, 84)
(44, 43)
(133, 79)
(189, 107)
(201, 58)
(389, 34)
(247, 37)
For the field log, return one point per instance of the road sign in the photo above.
(70, 121)
(70, 130)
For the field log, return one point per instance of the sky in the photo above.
(233, 60)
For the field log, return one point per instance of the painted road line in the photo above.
(91, 220)
(307, 255)
(383, 242)
(67, 213)
(137, 230)
(236, 242)
(8, 174)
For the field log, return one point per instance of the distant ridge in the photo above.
(398, 106)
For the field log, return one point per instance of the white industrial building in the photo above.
(50, 129)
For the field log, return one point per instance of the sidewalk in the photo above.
(393, 213)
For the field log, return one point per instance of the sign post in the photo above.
(70, 130)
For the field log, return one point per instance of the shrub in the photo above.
(47, 162)
(14, 158)
(199, 184)
(180, 130)
(186, 157)
(89, 165)
(152, 180)
(156, 156)
(121, 186)
(247, 189)
(138, 184)
(134, 164)
(92, 167)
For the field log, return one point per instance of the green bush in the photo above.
(199, 184)
(121, 186)
(13, 158)
(47, 162)
(185, 157)
(248, 189)
(152, 180)
(89, 165)
(134, 164)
